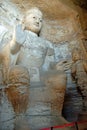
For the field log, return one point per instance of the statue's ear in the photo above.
(23, 21)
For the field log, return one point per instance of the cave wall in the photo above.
(65, 23)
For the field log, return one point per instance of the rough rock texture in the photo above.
(65, 24)
(79, 73)
(82, 4)
(41, 108)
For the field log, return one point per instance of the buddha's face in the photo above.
(33, 21)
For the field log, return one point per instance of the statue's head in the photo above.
(76, 54)
(33, 20)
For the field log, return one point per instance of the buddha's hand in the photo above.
(20, 34)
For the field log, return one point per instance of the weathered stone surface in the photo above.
(62, 26)
(79, 69)
(82, 4)
(73, 100)
(42, 109)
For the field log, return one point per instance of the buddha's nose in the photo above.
(37, 21)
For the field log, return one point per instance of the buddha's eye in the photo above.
(40, 20)
(34, 17)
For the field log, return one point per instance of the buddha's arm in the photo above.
(19, 37)
(14, 47)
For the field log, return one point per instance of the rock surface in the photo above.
(67, 28)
